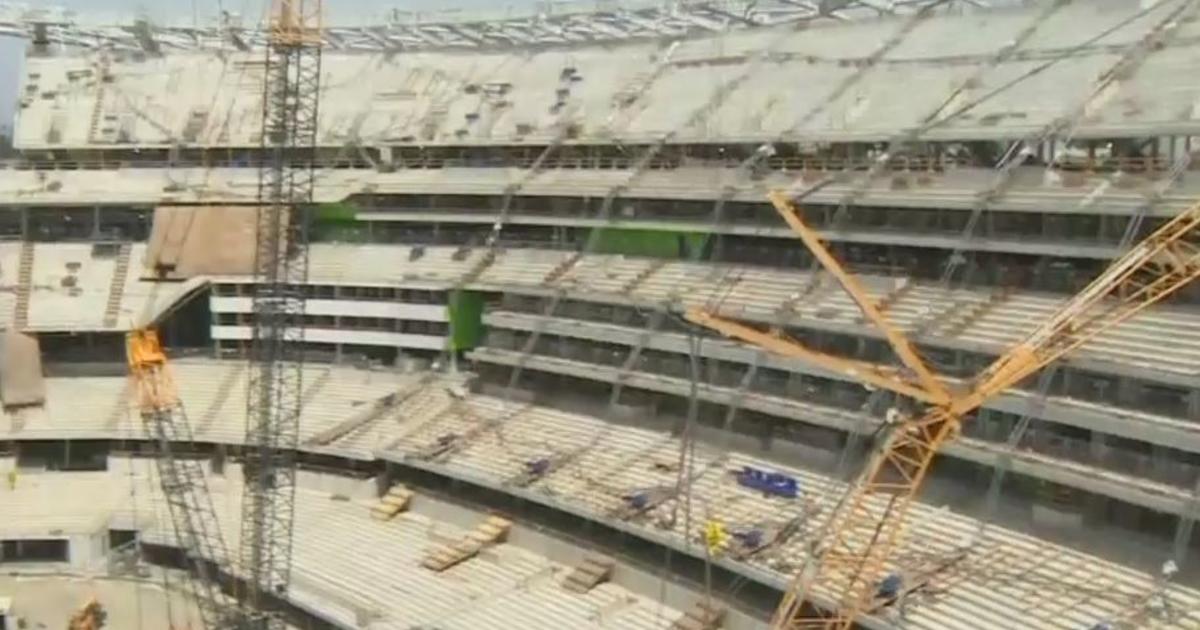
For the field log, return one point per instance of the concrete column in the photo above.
(959, 361)
(1184, 527)
(795, 386)
(1097, 446)
(1158, 458)
(1126, 391)
(217, 461)
(383, 482)
(85, 551)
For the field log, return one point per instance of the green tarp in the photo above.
(338, 212)
(465, 311)
(650, 243)
(338, 223)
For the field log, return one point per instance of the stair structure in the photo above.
(628, 100)
(373, 412)
(491, 532)
(632, 91)
(643, 275)
(313, 389)
(394, 502)
(433, 119)
(120, 409)
(448, 444)
(589, 574)
(903, 287)
(642, 501)
(103, 78)
(424, 409)
(562, 268)
(932, 320)
(229, 380)
(971, 314)
(807, 294)
(478, 268)
(116, 288)
(24, 286)
(705, 615)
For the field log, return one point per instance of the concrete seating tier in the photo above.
(70, 285)
(213, 394)
(353, 569)
(979, 575)
(981, 317)
(386, 265)
(598, 465)
(630, 89)
(522, 267)
(1162, 339)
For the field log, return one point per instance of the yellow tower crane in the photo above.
(90, 616)
(858, 541)
(182, 479)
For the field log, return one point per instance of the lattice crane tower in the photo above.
(857, 546)
(292, 71)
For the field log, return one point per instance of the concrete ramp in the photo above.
(189, 241)
(21, 380)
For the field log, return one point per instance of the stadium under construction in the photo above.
(692, 315)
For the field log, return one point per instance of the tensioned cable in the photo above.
(640, 165)
(844, 458)
(1046, 379)
(715, 300)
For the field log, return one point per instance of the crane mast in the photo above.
(184, 486)
(291, 84)
(854, 551)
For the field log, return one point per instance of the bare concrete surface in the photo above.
(47, 602)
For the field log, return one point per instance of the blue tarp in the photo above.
(774, 483)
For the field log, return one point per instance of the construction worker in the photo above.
(715, 537)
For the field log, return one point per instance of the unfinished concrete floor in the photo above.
(47, 602)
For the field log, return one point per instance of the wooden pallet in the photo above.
(589, 574)
(394, 502)
(490, 532)
(705, 615)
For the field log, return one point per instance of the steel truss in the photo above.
(185, 488)
(554, 24)
(290, 97)
(858, 541)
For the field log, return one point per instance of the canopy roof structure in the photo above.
(548, 24)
